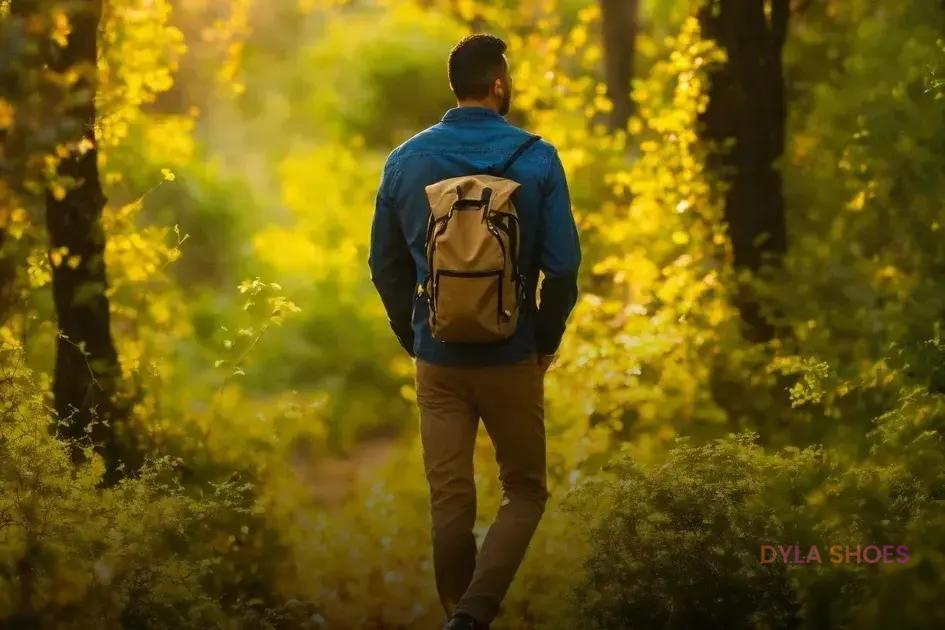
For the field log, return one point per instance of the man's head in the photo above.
(479, 72)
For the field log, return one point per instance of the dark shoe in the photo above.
(462, 621)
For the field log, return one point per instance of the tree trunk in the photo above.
(619, 24)
(87, 373)
(747, 105)
(7, 280)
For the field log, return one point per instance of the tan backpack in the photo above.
(474, 288)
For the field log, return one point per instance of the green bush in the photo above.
(679, 546)
(150, 552)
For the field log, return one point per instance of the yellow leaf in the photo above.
(58, 191)
(61, 28)
(6, 114)
(856, 204)
(85, 145)
(57, 255)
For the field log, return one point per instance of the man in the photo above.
(460, 382)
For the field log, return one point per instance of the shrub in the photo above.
(679, 546)
(147, 553)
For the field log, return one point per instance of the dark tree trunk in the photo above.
(7, 279)
(87, 373)
(747, 105)
(619, 24)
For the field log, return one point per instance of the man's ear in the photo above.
(498, 89)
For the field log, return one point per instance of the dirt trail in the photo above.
(331, 479)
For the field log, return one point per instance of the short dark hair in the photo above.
(475, 62)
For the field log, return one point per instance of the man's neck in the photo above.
(483, 104)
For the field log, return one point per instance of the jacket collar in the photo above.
(458, 114)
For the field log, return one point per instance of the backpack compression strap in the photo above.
(518, 152)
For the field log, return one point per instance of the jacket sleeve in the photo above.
(559, 257)
(392, 269)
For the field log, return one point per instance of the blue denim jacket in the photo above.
(467, 140)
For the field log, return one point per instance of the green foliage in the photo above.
(148, 553)
(860, 291)
(342, 346)
(389, 61)
(679, 545)
(656, 315)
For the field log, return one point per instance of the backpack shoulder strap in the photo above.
(532, 139)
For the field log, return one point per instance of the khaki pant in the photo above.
(509, 399)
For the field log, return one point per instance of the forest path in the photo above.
(333, 478)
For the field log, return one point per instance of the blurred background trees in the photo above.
(745, 118)
(756, 357)
(619, 24)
